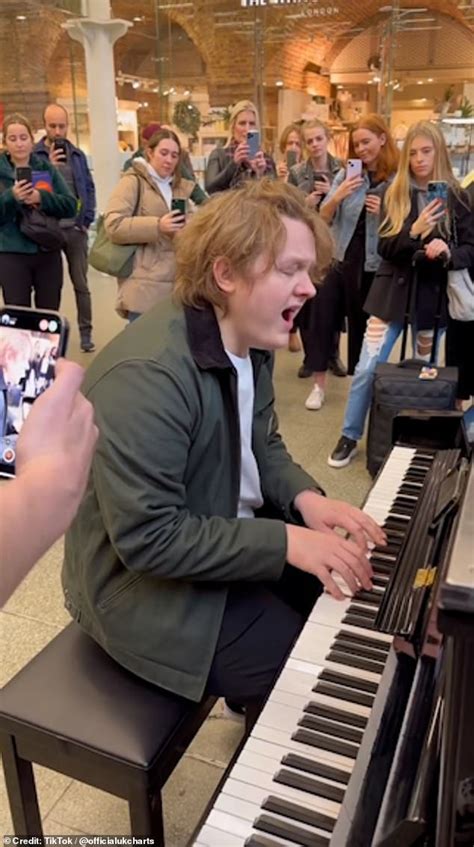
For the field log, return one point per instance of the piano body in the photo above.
(366, 739)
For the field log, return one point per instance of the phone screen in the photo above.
(437, 190)
(291, 158)
(354, 167)
(253, 141)
(30, 342)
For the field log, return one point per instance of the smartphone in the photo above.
(253, 141)
(320, 177)
(60, 144)
(354, 168)
(291, 158)
(24, 173)
(438, 190)
(178, 205)
(30, 342)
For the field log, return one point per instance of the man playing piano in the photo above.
(200, 546)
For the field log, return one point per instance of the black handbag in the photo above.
(42, 229)
(407, 385)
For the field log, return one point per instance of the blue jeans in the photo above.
(376, 348)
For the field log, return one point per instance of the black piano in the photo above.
(367, 738)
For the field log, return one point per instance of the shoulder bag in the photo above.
(460, 290)
(41, 228)
(109, 258)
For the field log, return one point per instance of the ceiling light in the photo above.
(145, 104)
(156, 90)
(135, 84)
(186, 92)
(21, 17)
(279, 83)
(430, 79)
(420, 82)
(138, 18)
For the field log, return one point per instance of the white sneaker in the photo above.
(315, 399)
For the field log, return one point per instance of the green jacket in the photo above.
(156, 542)
(59, 203)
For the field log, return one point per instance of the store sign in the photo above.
(310, 8)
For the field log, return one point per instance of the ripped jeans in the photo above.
(379, 340)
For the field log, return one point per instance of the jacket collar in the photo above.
(205, 340)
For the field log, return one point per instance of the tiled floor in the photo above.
(35, 612)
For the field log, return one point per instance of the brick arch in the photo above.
(369, 19)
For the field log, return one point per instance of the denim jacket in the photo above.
(346, 216)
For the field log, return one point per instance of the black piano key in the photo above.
(381, 567)
(302, 763)
(348, 681)
(293, 779)
(341, 658)
(261, 841)
(281, 806)
(354, 620)
(347, 733)
(358, 650)
(362, 611)
(373, 598)
(340, 693)
(366, 640)
(324, 742)
(380, 580)
(285, 830)
(335, 714)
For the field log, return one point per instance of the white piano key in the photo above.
(253, 785)
(275, 753)
(250, 759)
(212, 837)
(285, 741)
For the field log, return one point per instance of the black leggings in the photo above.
(22, 273)
(340, 294)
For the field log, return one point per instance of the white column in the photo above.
(98, 35)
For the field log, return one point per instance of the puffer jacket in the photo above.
(154, 263)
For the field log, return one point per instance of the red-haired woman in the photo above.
(352, 207)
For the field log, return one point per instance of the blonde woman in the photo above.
(231, 165)
(410, 224)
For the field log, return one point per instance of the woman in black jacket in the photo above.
(233, 164)
(411, 225)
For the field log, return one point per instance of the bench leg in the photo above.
(21, 790)
(146, 816)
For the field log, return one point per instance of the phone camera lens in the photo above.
(6, 319)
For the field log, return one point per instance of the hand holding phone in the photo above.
(23, 187)
(59, 149)
(30, 342)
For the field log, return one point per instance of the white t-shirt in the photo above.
(250, 496)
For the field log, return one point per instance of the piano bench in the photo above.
(75, 710)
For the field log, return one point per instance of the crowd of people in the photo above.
(195, 557)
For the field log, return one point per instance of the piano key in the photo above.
(292, 833)
(340, 715)
(358, 649)
(341, 658)
(354, 620)
(318, 787)
(325, 742)
(349, 680)
(298, 813)
(338, 692)
(211, 837)
(257, 840)
(277, 753)
(327, 727)
(302, 763)
(255, 785)
(287, 744)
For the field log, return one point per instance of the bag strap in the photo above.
(406, 319)
(138, 198)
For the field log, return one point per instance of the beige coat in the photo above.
(154, 263)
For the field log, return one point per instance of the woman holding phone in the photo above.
(411, 223)
(24, 266)
(146, 208)
(314, 177)
(352, 207)
(242, 157)
(291, 146)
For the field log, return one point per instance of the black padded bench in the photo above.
(75, 710)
